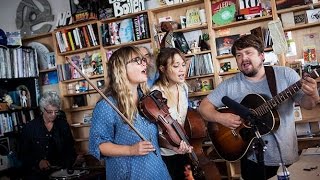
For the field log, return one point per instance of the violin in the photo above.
(154, 107)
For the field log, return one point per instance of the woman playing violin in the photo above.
(126, 155)
(172, 70)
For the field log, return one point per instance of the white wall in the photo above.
(8, 10)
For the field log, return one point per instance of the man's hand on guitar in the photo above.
(309, 87)
(230, 120)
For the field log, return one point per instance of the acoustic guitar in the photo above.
(232, 145)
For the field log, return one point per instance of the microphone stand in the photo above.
(259, 146)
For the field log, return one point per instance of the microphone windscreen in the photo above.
(238, 108)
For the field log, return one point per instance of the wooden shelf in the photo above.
(225, 56)
(80, 125)
(176, 6)
(143, 41)
(113, 19)
(198, 53)
(243, 22)
(228, 73)
(82, 108)
(78, 24)
(47, 70)
(81, 139)
(297, 8)
(37, 36)
(201, 76)
(308, 138)
(304, 120)
(81, 93)
(92, 48)
(302, 26)
(79, 79)
(200, 93)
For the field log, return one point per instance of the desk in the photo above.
(305, 161)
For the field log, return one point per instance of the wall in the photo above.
(8, 10)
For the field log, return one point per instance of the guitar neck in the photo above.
(282, 96)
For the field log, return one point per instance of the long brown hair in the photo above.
(165, 58)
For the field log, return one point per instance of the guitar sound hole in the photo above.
(246, 134)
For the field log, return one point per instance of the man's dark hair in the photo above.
(246, 41)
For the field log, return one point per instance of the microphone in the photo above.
(246, 114)
(238, 108)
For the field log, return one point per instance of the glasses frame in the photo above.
(51, 112)
(138, 60)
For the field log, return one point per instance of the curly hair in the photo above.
(118, 81)
(246, 41)
(49, 98)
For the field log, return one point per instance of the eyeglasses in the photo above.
(138, 60)
(51, 112)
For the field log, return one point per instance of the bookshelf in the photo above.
(75, 115)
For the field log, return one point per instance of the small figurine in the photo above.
(6, 98)
(23, 98)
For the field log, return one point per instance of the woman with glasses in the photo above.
(126, 155)
(172, 69)
(47, 142)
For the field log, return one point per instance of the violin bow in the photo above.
(107, 99)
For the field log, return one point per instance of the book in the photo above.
(225, 66)
(250, 8)
(297, 113)
(49, 78)
(113, 33)
(310, 55)
(287, 19)
(206, 85)
(283, 4)
(126, 32)
(84, 10)
(87, 118)
(299, 17)
(193, 17)
(50, 61)
(180, 42)
(225, 43)
(14, 38)
(223, 11)
(83, 86)
(258, 32)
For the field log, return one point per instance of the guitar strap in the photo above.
(271, 80)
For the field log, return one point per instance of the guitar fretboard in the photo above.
(282, 96)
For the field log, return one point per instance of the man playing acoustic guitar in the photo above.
(252, 82)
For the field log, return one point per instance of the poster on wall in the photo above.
(121, 7)
(83, 10)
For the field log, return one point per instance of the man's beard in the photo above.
(253, 72)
